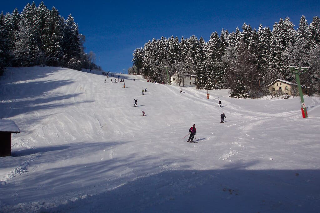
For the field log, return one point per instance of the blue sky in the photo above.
(114, 29)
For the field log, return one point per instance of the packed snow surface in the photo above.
(83, 147)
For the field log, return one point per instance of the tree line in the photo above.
(245, 61)
(40, 36)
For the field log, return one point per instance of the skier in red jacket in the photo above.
(193, 132)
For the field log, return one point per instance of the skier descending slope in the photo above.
(223, 116)
(192, 132)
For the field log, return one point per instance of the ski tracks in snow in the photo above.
(241, 132)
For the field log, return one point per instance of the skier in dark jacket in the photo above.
(193, 132)
(223, 116)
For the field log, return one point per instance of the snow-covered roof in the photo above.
(283, 81)
(8, 126)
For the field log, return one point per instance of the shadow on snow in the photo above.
(133, 184)
(229, 190)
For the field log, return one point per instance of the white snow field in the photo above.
(83, 147)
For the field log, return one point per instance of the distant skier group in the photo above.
(136, 101)
(223, 116)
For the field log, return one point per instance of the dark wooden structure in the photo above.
(7, 127)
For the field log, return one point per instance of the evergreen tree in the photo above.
(138, 60)
(301, 48)
(12, 26)
(28, 46)
(264, 57)
(183, 56)
(173, 54)
(314, 69)
(194, 56)
(200, 58)
(71, 44)
(283, 35)
(214, 70)
(4, 41)
(53, 37)
(315, 31)
(314, 60)
(249, 61)
(230, 60)
(41, 18)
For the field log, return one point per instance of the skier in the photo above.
(223, 116)
(219, 103)
(135, 102)
(192, 132)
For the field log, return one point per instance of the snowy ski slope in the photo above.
(83, 147)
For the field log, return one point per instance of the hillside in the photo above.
(83, 147)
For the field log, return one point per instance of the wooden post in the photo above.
(5, 144)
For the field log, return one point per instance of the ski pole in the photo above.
(186, 136)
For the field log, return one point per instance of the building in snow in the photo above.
(184, 80)
(282, 87)
(6, 128)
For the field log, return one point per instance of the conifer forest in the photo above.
(40, 36)
(245, 61)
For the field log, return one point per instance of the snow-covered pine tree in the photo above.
(200, 59)
(71, 44)
(12, 26)
(147, 50)
(214, 69)
(300, 49)
(156, 72)
(192, 45)
(315, 69)
(27, 50)
(4, 41)
(264, 55)
(173, 54)
(164, 66)
(248, 60)
(314, 60)
(230, 59)
(52, 38)
(315, 30)
(138, 60)
(41, 18)
(283, 35)
(182, 63)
